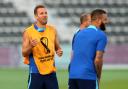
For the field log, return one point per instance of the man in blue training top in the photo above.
(88, 49)
(85, 21)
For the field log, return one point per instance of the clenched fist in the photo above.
(59, 52)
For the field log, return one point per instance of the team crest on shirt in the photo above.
(44, 42)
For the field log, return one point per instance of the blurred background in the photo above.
(16, 15)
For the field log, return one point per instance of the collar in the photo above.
(92, 26)
(39, 29)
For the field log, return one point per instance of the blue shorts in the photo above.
(38, 81)
(82, 84)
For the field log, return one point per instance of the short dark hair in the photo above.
(38, 6)
(95, 14)
(83, 17)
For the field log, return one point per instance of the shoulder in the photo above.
(76, 31)
(102, 35)
(51, 26)
(28, 28)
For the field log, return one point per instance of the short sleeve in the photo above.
(102, 42)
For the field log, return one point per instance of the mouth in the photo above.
(44, 21)
(44, 18)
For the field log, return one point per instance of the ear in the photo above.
(99, 21)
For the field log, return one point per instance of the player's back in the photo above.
(84, 50)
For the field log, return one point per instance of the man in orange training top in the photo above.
(39, 45)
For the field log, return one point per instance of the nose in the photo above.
(45, 15)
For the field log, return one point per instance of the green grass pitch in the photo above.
(17, 79)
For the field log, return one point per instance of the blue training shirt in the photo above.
(32, 65)
(85, 45)
(74, 36)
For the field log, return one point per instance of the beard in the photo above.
(43, 21)
(103, 27)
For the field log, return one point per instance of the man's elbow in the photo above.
(24, 54)
(98, 61)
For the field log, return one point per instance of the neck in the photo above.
(95, 24)
(40, 25)
(82, 26)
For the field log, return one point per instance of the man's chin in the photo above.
(44, 23)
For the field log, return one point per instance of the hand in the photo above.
(34, 42)
(59, 52)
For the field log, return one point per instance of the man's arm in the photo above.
(98, 63)
(27, 45)
(58, 49)
(26, 49)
